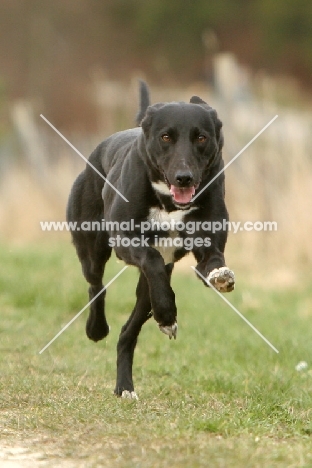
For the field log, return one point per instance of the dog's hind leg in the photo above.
(93, 254)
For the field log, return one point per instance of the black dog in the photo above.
(159, 169)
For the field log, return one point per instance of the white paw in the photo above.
(170, 330)
(222, 279)
(129, 395)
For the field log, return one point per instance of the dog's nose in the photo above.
(184, 179)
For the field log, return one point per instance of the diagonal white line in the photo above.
(82, 156)
(82, 310)
(235, 310)
(235, 157)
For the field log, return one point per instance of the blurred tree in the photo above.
(285, 30)
(50, 49)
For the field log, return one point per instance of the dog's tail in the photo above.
(144, 102)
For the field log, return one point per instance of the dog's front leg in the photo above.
(128, 338)
(211, 265)
(162, 297)
(161, 294)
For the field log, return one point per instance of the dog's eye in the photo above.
(201, 138)
(165, 137)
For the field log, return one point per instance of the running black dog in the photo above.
(161, 168)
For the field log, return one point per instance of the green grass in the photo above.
(218, 396)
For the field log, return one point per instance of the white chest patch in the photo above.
(167, 246)
(162, 216)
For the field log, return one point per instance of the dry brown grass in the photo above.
(272, 180)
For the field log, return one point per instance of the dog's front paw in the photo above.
(222, 279)
(170, 330)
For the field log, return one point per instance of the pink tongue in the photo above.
(182, 195)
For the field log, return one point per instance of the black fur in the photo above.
(144, 102)
(179, 146)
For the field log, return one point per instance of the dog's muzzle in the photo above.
(183, 189)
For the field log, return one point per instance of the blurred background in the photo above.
(78, 62)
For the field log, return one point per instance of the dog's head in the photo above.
(183, 142)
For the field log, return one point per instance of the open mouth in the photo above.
(181, 195)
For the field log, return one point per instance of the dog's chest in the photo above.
(167, 246)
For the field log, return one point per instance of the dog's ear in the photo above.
(197, 100)
(213, 113)
(219, 134)
(218, 128)
(147, 121)
(217, 121)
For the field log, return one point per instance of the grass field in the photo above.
(218, 396)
